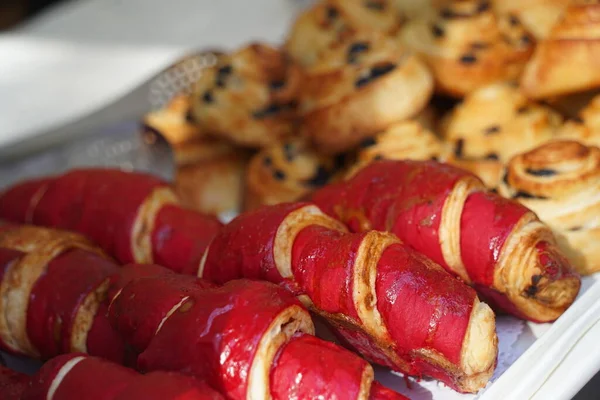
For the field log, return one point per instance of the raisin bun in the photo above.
(174, 122)
(538, 16)
(468, 46)
(360, 88)
(248, 97)
(566, 61)
(560, 182)
(586, 128)
(491, 125)
(331, 22)
(403, 140)
(286, 172)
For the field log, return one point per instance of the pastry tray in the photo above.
(536, 361)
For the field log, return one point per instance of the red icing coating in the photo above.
(17, 202)
(487, 221)
(206, 340)
(323, 265)
(104, 341)
(40, 382)
(380, 392)
(167, 385)
(180, 238)
(12, 384)
(244, 247)
(143, 303)
(58, 294)
(423, 306)
(129, 272)
(309, 368)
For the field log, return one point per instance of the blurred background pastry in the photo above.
(560, 182)
(538, 16)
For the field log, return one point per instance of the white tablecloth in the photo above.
(80, 56)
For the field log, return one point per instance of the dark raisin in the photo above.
(277, 85)
(332, 13)
(525, 40)
(505, 178)
(368, 142)
(525, 195)
(446, 13)
(492, 157)
(339, 161)
(269, 111)
(437, 31)
(267, 161)
(541, 172)
(458, 149)
(220, 82)
(279, 175)
(355, 50)
(492, 129)
(381, 70)
(468, 58)
(378, 157)
(375, 5)
(189, 117)
(579, 120)
(522, 109)
(225, 70)
(494, 190)
(433, 158)
(513, 20)
(483, 6)
(208, 97)
(222, 74)
(288, 149)
(531, 291)
(320, 178)
(535, 279)
(576, 228)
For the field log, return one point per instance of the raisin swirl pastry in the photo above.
(360, 88)
(493, 124)
(586, 128)
(248, 97)
(286, 172)
(538, 16)
(209, 171)
(331, 22)
(566, 62)
(560, 182)
(467, 46)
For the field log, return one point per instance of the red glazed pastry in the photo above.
(78, 376)
(132, 216)
(12, 384)
(387, 301)
(495, 244)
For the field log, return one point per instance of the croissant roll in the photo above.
(12, 384)
(467, 46)
(491, 125)
(354, 281)
(132, 216)
(559, 182)
(495, 244)
(77, 376)
(565, 61)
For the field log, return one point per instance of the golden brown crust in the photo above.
(566, 61)
(587, 129)
(467, 46)
(560, 182)
(174, 121)
(286, 172)
(353, 92)
(248, 97)
(40, 246)
(491, 125)
(538, 16)
(331, 22)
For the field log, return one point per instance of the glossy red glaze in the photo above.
(423, 305)
(42, 380)
(216, 337)
(167, 386)
(380, 392)
(103, 341)
(323, 265)
(130, 272)
(17, 202)
(57, 296)
(310, 368)
(7, 258)
(180, 238)
(244, 247)
(487, 221)
(144, 302)
(404, 197)
(12, 384)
